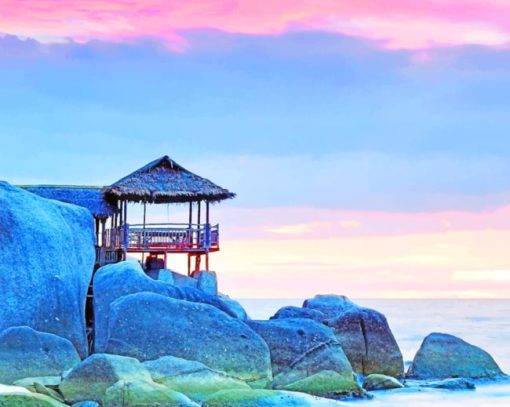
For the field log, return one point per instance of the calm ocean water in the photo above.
(484, 323)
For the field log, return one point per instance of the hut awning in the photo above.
(165, 181)
(88, 197)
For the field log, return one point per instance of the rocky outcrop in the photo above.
(148, 326)
(25, 352)
(444, 356)
(192, 378)
(381, 382)
(305, 356)
(141, 393)
(363, 333)
(267, 398)
(114, 281)
(296, 312)
(89, 380)
(46, 261)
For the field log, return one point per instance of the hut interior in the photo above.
(162, 181)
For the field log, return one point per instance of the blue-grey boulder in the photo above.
(117, 280)
(89, 380)
(306, 357)
(148, 326)
(47, 257)
(296, 312)
(443, 356)
(25, 352)
(368, 342)
(363, 333)
(207, 281)
(235, 308)
(330, 305)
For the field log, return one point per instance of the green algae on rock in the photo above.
(141, 393)
(194, 379)
(91, 378)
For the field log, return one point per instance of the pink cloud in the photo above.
(409, 24)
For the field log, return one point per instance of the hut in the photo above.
(162, 181)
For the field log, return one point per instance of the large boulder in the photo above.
(25, 352)
(140, 393)
(305, 356)
(296, 312)
(363, 333)
(46, 261)
(444, 356)
(117, 280)
(148, 326)
(192, 378)
(267, 398)
(89, 380)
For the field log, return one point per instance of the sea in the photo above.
(484, 323)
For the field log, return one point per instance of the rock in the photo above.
(330, 305)
(14, 396)
(28, 382)
(194, 379)
(46, 260)
(117, 280)
(236, 310)
(181, 280)
(267, 398)
(25, 352)
(305, 356)
(443, 356)
(91, 378)
(148, 326)
(207, 282)
(166, 276)
(367, 340)
(381, 382)
(140, 393)
(450, 384)
(296, 312)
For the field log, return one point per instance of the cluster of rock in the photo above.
(174, 341)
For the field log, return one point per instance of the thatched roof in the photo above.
(91, 198)
(165, 181)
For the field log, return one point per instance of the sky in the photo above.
(367, 141)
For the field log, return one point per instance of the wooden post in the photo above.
(125, 212)
(97, 231)
(144, 214)
(103, 232)
(197, 262)
(207, 212)
(207, 262)
(189, 264)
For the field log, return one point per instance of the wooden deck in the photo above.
(164, 238)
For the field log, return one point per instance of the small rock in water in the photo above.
(381, 382)
(451, 384)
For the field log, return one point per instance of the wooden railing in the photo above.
(164, 237)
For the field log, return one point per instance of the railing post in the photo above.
(125, 236)
(207, 236)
